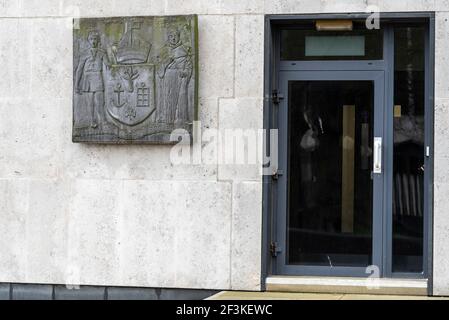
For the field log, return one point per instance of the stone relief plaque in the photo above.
(134, 78)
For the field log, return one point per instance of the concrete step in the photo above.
(348, 285)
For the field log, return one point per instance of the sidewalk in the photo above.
(243, 295)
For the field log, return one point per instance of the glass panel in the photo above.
(408, 163)
(330, 162)
(308, 44)
(335, 46)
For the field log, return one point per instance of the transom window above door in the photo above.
(310, 44)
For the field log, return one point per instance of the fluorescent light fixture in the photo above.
(333, 25)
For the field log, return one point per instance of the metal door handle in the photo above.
(377, 161)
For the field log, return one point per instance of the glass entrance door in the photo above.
(330, 197)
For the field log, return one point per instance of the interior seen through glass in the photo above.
(330, 162)
(408, 163)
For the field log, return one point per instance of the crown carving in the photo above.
(132, 48)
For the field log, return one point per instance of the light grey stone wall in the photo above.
(123, 215)
(441, 165)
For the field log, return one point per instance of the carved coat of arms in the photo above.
(134, 78)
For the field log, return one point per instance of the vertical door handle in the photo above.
(377, 161)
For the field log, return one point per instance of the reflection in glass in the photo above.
(330, 161)
(408, 163)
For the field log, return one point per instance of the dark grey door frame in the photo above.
(272, 67)
(378, 78)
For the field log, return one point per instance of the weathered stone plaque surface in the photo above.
(134, 78)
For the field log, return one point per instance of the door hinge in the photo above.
(274, 249)
(277, 174)
(276, 97)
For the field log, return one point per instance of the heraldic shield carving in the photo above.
(135, 78)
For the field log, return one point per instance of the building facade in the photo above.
(128, 216)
